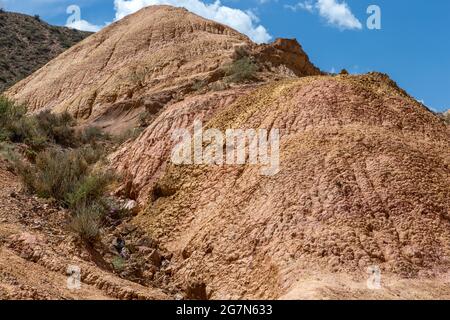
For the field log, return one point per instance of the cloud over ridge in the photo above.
(335, 13)
(244, 22)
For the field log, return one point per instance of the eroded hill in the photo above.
(363, 181)
(147, 60)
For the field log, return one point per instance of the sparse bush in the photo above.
(65, 177)
(138, 77)
(219, 86)
(198, 85)
(5, 107)
(58, 128)
(7, 151)
(37, 131)
(61, 162)
(118, 263)
(86, 221)
(344, 72)
(92, 134)
(89, 190)
(26, 130)
(241, 52)
(92, 153)
(24, 170)
(144, 119)
(9, 113)
(241, 70)
(55, 174)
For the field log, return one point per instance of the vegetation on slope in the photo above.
(57, 161)
(28, 43)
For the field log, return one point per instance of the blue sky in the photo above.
(412, 46)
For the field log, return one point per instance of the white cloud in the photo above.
(336, 13)
(74, 20)
(84, 25)
(244, 22)
(306, 5)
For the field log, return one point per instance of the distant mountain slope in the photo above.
(27, 43)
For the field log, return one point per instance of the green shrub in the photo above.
(26, 130)
(57, 128)
(199, 84)
(60, 165)
(219, 86)
(89, 190)
(55, 174)
(91, 135)
(86, 221)
(64, 175)
(119, 263)
(9, 114)
(9, 110)
(25, 171)
(37, 131)
(241, 70)
(92, 153)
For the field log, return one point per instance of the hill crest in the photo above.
(147, 60)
